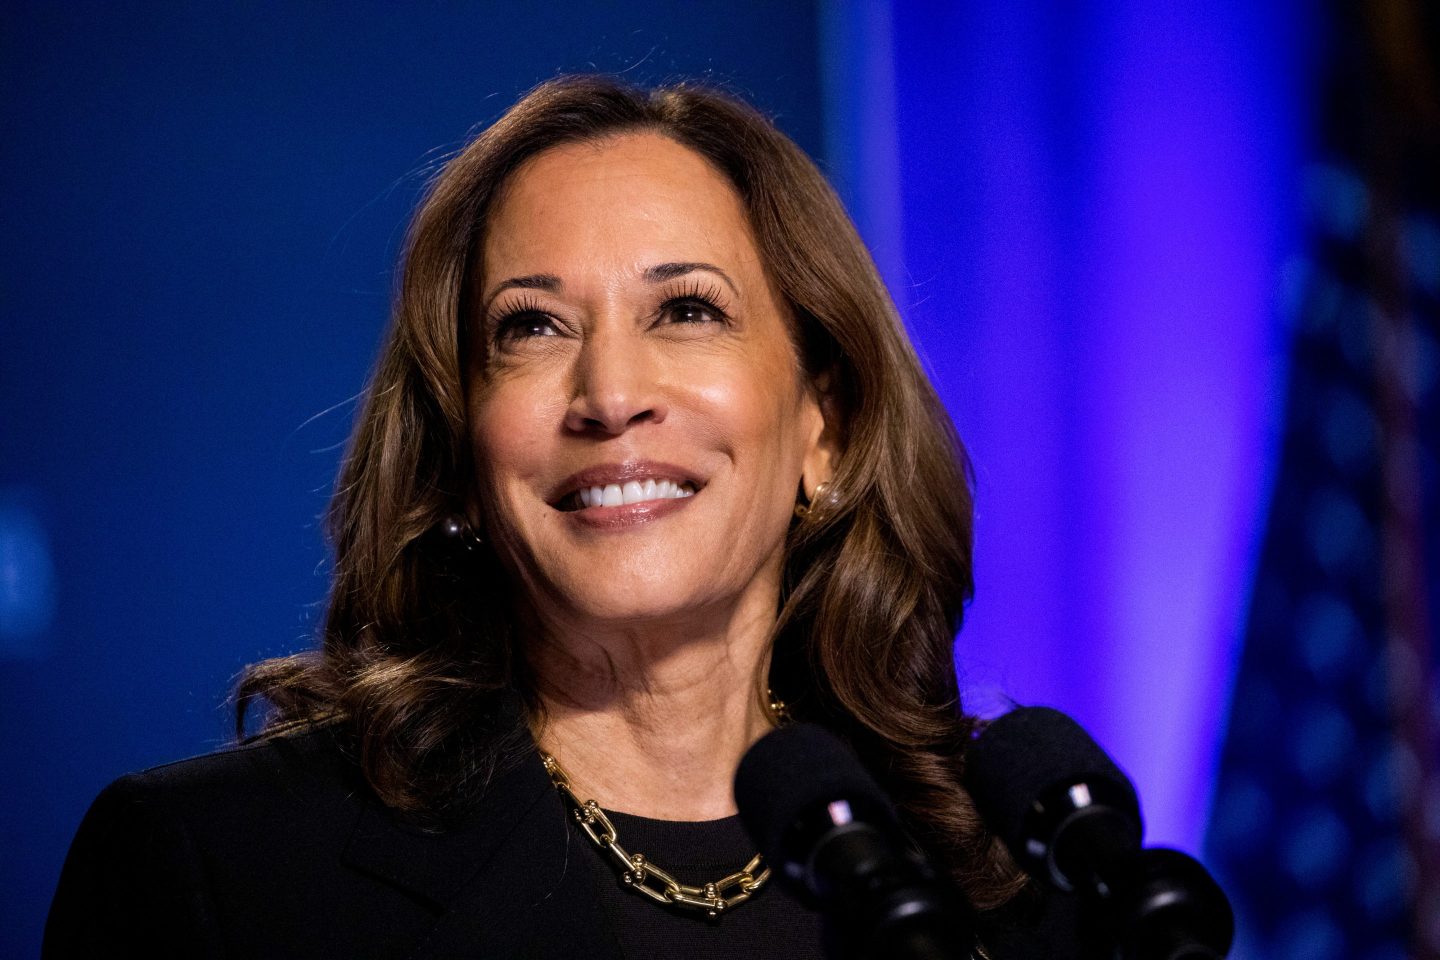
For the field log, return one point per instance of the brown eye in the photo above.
(521, 321)
(693, 310)
(525, 325)
(695, 304)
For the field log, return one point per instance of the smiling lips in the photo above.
(625, 485)
(634, 491)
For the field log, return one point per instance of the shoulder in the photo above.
(279, 848)
(279, 773)
(238, 807)
(246, 799)
(156, 846)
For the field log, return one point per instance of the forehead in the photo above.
(625, 201)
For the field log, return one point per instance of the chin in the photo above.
(630, 601)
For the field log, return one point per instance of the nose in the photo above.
(616, 386)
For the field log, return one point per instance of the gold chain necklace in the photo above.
(641, 875)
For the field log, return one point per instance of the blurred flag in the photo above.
(1326, 824)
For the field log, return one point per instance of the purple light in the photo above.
(1095, 208)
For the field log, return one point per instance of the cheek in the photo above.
(509, 431)
(758, 410)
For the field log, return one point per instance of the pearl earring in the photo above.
(455, 530)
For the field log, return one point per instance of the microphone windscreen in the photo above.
(1026, 753)
(793, 769)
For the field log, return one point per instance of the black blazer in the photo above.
(280, 849)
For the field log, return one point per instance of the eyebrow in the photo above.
(669, 271)
(533, 281)
(656, 274)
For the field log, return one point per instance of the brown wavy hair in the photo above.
(419, 649)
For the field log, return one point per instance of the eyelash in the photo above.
(696, 293)
(504, 322)
(527, 309)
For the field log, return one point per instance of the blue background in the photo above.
(1085, 212)
(203, 206)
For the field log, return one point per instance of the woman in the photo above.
(647, 465)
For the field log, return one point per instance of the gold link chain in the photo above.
(642, 876)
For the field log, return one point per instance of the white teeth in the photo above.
(633, 491)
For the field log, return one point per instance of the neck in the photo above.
(653, 718)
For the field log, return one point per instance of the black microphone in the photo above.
(1072, 820)
(831, 835)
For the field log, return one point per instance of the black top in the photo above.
(280, 849)
(772, 924)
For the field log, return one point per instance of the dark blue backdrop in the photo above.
(202, 205)
(1088, 213)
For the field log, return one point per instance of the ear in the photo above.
(822, 450)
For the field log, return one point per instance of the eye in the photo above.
(519, 326)
(521, 321)
(692, 310)
(695, 304)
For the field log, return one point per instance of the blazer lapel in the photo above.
(512, 881)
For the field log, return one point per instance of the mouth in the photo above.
(624, 485)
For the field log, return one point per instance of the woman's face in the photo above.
(640, 415)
